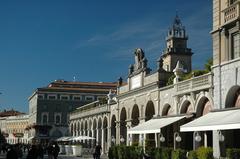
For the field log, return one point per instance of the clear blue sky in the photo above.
(93, 40)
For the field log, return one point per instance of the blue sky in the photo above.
(93, 40)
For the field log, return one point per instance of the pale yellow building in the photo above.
(15, 127)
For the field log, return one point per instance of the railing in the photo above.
(231, 13)
(123, 89)
(89, 112)
(196, 83)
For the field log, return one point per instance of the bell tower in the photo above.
(176, 49)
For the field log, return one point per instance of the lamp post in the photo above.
(129, 140)
(177, 139)
(220, 136)
(196, 138)
(113, 140)
(122, 139)
(161, 138)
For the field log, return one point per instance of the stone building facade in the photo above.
(49, 106)
(226, 64)
(146, 96)
(16, 129)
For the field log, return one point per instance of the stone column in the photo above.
(102, 141)
(142, 137)
(205, 139)
(156, 139)
(109, 137)
(216, 144)
(117, 132)
(129, 136)
(97, 135)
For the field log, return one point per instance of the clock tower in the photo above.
(176, 49)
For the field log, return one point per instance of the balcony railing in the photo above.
(194, 84)
(89, 112)
(231, 13)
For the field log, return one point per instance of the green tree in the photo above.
(208, 65)
(194, 73)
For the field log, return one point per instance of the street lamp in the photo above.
(221, 136)
(198, 138)
(177, 139)
(113, 140)
(161, 137)
(129, 140)
(122, 139)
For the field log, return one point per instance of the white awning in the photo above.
(217, 120)
(64, 138)
(84, 138)
(154, 125)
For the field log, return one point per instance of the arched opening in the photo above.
(85, 133)
(186, 108)
(113, 129)
(75, 129)
(149, 113)
(78, 128)
(135, 115)
(99, 137)
(187, 137)
(123, 128)
(86, 128)
(94, 131)
(167, 110)
(233, 97)
(135, 122)
(82, 128)
(90, 142)
(71, 129)
(232, 100)
(203, 107)
(169, 130)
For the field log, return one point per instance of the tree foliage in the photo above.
(194, 73)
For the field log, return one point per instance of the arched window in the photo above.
(44, 119)
(58, 119)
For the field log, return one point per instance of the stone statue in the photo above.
(139, 56)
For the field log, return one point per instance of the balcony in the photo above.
(231, 13)
(88, 112)
(195, 84)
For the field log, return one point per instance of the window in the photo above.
(52, 96)
(232, 1)
(235, 46)
(57, 117)
(40, 96)
(64, 97)
(44, 118)
(89, 98)
(77, 98)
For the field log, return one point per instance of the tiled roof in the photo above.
(61, 85)
(79, 84)
(10, 113)
(73, 89)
